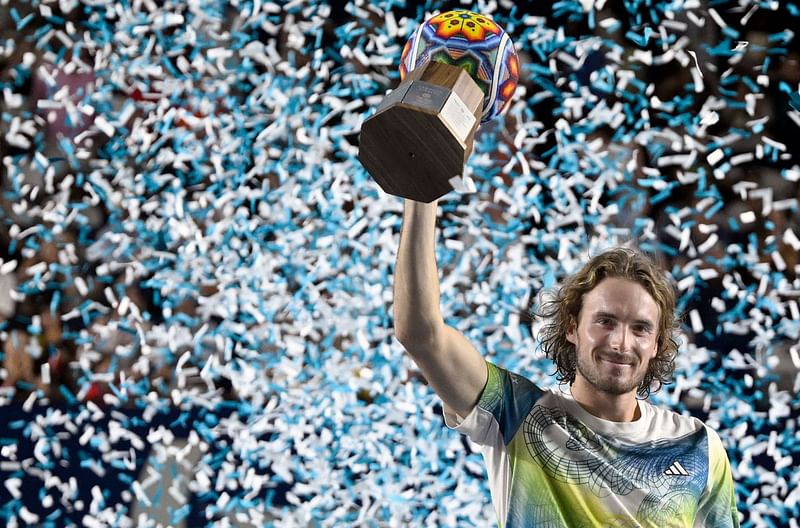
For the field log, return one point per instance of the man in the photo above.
(591, 454)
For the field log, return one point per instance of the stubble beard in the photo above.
(607, 382)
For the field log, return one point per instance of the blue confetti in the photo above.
(206, 268)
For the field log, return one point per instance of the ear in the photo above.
(654, 352)
(572, 332)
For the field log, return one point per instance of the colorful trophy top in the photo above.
(473, 42)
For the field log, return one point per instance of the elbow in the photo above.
(416, 325)
(416, 336)
(403, 333)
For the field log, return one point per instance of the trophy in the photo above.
(458, 70)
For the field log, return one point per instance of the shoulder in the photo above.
(503, 380)
(716, 449)
(508, 397)
(670, 424)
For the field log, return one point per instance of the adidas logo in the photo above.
(676, 469)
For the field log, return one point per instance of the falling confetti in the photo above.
(199, 317)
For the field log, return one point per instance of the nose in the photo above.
(619, 338)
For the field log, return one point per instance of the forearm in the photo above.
(417, 313)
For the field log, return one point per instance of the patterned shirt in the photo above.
(552, 464)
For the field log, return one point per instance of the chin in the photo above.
(617, 388)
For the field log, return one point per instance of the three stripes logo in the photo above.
(676, 469)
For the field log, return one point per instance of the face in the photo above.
(616, 336)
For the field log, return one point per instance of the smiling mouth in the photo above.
(614, 362)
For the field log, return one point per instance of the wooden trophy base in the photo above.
(422, 133)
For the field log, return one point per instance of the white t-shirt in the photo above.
(553, 464)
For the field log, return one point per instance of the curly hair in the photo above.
(563, 308)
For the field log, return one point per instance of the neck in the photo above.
(604, 405)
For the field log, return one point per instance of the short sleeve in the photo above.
(717, 508)
(505, 401)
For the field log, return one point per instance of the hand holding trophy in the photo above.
(458, 70)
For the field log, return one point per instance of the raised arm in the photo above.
(449, 362)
